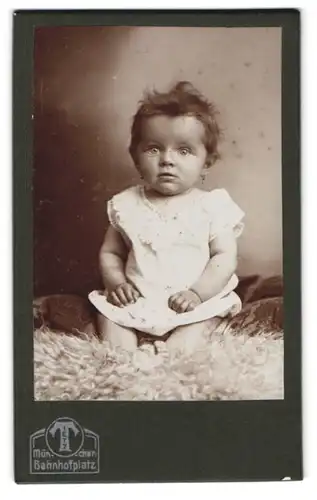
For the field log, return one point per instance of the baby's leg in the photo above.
(189, 338)
(118, 336)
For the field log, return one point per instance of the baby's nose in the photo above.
(166, 157)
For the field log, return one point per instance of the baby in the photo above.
(169, 256)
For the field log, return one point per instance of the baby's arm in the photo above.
(220, 268)
(112, 258)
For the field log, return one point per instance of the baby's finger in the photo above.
(174, 301)
(114, 299)
(136, 294)
(191, 306)
(178, 304)
(129, 294)
(174, 307)
(180, 300)
(121, 296)
(171, 300)
(183, 307)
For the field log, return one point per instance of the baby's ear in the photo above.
(209, 162)
(211, 159)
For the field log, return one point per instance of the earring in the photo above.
(203, 177)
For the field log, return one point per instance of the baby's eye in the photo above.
(152, 150)
(184, 151)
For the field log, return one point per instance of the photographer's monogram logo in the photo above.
(64, 447)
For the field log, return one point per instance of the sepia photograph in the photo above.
(157, 213)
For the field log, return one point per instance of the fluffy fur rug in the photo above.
(242, 359)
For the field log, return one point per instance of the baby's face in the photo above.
(172, 154)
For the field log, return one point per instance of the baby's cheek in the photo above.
(148, 173)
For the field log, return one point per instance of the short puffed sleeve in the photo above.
(223, 213)
(120, 208)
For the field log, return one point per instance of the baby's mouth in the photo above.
(167, 176)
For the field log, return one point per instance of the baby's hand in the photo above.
(123, 295)
(184, 301)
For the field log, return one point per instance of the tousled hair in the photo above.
(182, 100)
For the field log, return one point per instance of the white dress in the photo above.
(168, 253)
